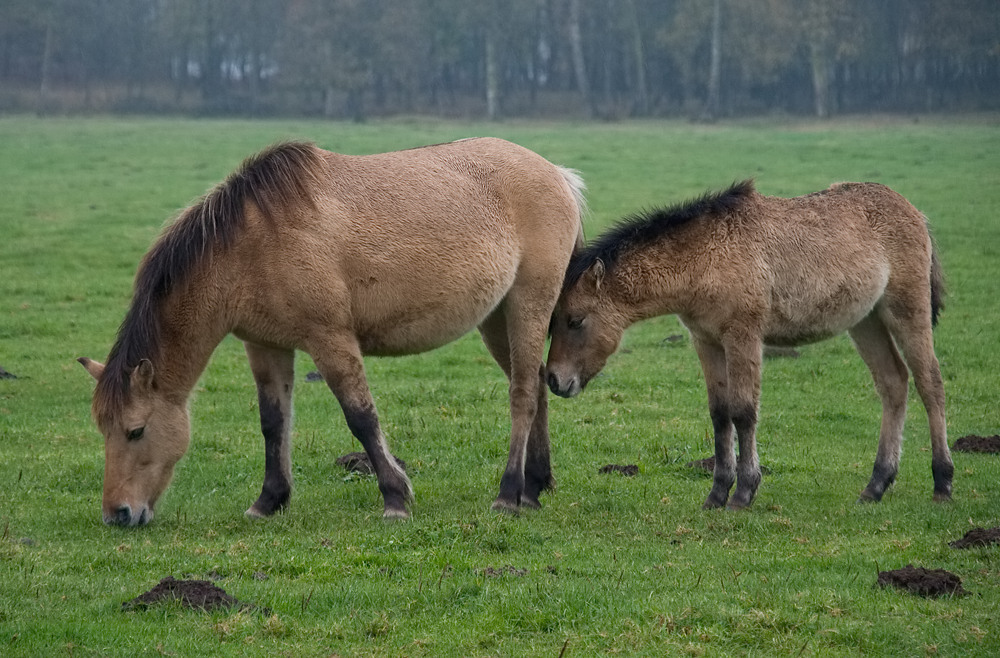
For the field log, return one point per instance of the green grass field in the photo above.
(611, 565)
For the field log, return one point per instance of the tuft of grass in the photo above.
(611, 565)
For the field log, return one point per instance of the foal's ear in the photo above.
(142, 376)
(93, 367)
(595, 274)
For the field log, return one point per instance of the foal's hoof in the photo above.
(255, 514)
(942, 497)
(395, 514)
(869, 497)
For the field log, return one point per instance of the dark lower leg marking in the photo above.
(747, 469)
(277, 488)
(883, 475)
(943, 471)
(392, 482)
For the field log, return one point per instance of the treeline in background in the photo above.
(500, 58)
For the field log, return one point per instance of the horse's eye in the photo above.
(136, 434)
(574, 323)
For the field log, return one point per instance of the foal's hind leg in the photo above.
(341, 365)
(874, 344)
(537, 462)
(273, 371)
(914, 334)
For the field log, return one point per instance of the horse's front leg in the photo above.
(743, 365)
(713, 367)
(274, 372)
(342, 367)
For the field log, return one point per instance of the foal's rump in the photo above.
(411, 249)
(837, 255)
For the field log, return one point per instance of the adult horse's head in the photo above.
(145, 435)
(587, 327)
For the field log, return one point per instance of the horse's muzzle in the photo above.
(124, 516)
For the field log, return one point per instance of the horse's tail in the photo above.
(937, 287)
(577, 187)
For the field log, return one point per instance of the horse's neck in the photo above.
(192, 326)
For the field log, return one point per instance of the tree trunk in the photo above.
(821, 80)
(579, 66)
(641, 107)
(492, 79)
(711, 112)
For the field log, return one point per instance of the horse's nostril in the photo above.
(553, 382)
(123, 515)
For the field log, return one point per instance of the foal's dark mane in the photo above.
(649, 226)
(275, 179)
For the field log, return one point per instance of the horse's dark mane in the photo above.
(273, 179)
(649, 226)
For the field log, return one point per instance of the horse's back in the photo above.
(411, 249)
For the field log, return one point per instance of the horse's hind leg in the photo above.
(537, 461)
(874, 344)
(342, 367)
(914, 335)
(713, 366)
(273, 371)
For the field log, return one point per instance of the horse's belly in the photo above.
(409, 319)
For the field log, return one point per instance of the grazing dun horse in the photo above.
(742, 270)
(340, 256)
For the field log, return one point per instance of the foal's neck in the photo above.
(650, 282)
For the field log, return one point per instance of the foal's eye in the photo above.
(574, 323)
(136, 434)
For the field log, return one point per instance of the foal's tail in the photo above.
(937, 287)
(576, 187)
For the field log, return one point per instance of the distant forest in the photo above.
(606, 59)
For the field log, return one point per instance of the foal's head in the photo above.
(145, 435)
(587, 327)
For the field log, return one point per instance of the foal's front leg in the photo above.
(274, 372)
(713, 367)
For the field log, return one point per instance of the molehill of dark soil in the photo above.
(197, 594)
(973, 443)
(707, 464)
(978, 537)
(628, 470)
(509, 570)
(358, 462)
(924, 582)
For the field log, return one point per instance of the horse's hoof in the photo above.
(530, 503)
(254, 514)
(712, 504)
(942, 497)
(505, 506)
(736, 505)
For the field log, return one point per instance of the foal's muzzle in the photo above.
(567, 388)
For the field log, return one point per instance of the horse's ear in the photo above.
(93, 367)
(142, 376)
(595, 274)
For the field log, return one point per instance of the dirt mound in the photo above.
(358, 462)
(628, 470)
(924, 582)
(973, 443)
(6, 375)
(509, 570)
(978, 537)
(197, 594)
(707, 464)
